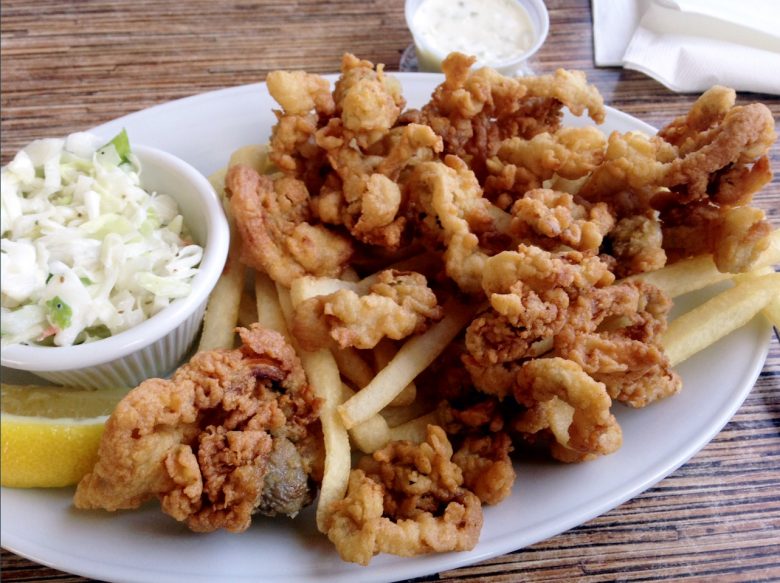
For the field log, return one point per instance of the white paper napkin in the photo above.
(690, 45)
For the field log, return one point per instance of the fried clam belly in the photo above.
(564, 403)
(474, 111)
(225, 437)
(552, 219)
(447, 202)
(271, 217)
(365, 191)
(406, 499)
(614, 334)
(398, 304)
(368, 154)
(636, 243)
(530, 291)
(521, 165)
(306, 103)
(367, 101)
(695, 173)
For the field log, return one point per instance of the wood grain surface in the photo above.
(70, 65)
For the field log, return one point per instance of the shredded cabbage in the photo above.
(86, 252)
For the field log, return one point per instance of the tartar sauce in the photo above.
(491, 30)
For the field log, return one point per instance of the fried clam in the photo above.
(522, 164)
(271, 215)
(614, 334)
(307, 103)
(695, 173)
(474, 111)
(450, 209)
(396, 305)
(530, 291)
(227, 436)
(365, 191)
(564, 403)
(552, 219)
(406, 499)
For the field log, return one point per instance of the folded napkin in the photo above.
(691, 45)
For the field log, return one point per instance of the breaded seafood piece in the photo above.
(299, 92)
(487, 468)
(741, 137)
(564, 402)
(521, 165)
(406, 499)
(637, 244)
(367, 101)
(474, 111)
(631, 174)
(365, 193)
(398, 304)
(224, 438)
(271, 217)
(306, 102)
(530, 291)
(735, 236)
(551, 219)
(447, 200)
(569, 88)
(614, 334)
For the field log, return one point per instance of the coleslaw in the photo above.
(86, 252)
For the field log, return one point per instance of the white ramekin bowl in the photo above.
(429, 58)
(156, 346)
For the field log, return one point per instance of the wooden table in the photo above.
(68, 66)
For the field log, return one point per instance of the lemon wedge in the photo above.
(50, 435)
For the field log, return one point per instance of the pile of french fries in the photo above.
(386, 407)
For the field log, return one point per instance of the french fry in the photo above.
(269, 311)
(353, 367)
(714, 319)
(370, 435)
(222, 309)
(414, 357)
(308, 286)
(698, 272)
(384, 353)
(772, 312)
(247, 309)
(416, 429)
(255, 156)
(323, 374)
(221, 317)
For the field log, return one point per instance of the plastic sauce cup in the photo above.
(430, 58)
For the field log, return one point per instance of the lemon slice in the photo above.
(50, 435)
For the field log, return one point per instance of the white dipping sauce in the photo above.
(491, 30)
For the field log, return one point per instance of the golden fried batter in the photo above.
(397, 304)
(487, 469)
(614, 334)
(448, 201)
(271, 217)
(406, 500)
(205, 441)
(521, 165)
(562, 399)
(549, 219)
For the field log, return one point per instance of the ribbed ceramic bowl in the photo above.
(156, 346)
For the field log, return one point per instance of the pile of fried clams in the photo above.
(536, 223)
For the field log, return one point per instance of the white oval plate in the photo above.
(548, 498)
